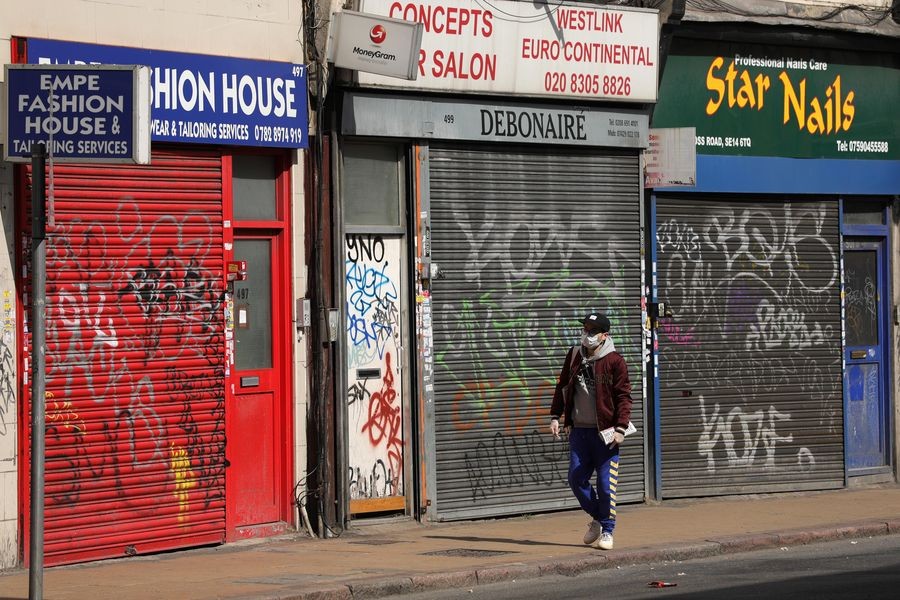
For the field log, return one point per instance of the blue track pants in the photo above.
(588, 454)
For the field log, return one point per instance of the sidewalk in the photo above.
(384, 558)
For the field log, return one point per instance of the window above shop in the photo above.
(864, 212)
(253, 187)
(371, 182)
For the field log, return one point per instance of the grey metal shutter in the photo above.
(527, 240)
(750, 362)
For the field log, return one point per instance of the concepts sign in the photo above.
(541, 48)
(202, 99)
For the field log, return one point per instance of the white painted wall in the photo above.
(255, 29)
(8, 406)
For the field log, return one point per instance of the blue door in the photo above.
(865, 383)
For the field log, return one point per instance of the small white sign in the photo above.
(375, 44)
(671, 158)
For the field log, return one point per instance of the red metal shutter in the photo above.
(135, 358)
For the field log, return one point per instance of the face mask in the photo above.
(590, 341)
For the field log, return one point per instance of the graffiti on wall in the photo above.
(374, 394)
(506, 312)
(754, 339)
(134, 366)
(504, 462)
(7, 366)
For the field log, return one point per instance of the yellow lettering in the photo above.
(716, 85)
(762, 85)
(815, 123)
(837, 104)
(791, 100)
(745, 94)
(729, 77)
(849, 110)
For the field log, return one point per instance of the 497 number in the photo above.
(583, 83)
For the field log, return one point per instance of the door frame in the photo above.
(879, 237)
(348, 510)
(282, 351)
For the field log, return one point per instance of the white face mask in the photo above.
(590, 341)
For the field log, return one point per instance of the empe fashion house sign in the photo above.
(82, 113)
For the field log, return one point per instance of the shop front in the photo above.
(510, 203)
(774, 350)
(169, 397)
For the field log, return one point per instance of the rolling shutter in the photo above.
(135, 358)
(527, 241)
(750, 361)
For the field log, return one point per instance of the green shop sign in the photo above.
(754, 100)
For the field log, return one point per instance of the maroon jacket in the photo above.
(613, 390)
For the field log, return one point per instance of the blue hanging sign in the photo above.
(203, 99)
(82, 113)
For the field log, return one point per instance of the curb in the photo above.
(578, 565)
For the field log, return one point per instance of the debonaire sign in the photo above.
(82, 113)
(205, 99)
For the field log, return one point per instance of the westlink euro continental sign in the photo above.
(82, 113)
(548, 48)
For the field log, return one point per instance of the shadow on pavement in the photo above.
(522, 542)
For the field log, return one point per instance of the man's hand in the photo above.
(554, 427)
(618, 438)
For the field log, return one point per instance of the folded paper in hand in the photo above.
(609, 434)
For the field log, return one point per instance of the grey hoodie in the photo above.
(584, 408)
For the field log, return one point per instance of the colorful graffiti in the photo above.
(373, 329)
(506, 310)
(135, 364)
(185, 479)
(7, 366)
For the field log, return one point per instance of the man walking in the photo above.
(594, 394)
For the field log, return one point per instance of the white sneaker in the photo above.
(593, 532)
(606, 541)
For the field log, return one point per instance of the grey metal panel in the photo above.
(526, 241)
(750, 362)
(464, 119)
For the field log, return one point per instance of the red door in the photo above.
(258, 411)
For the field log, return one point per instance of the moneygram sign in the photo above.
(82, 114)
(373, 44)
(541, 48)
